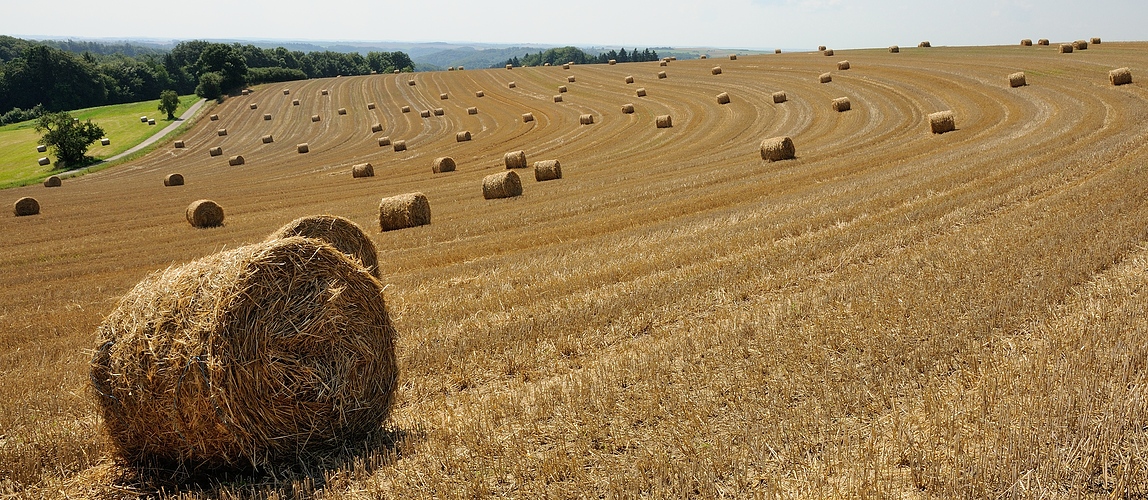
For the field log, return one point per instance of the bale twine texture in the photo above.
(303, 147)
(26, 206)
(1016, 79)
(403, 211)
(462, 136)
(235, 160)
(204, 213)
(362, 170)
(1120, 76)
(501, 185)
(399, 146)
(942, 121)
(53, 181)
(515, 159)
(586, 119)
(841, 104)
(547, 170)
(173, 180)
(663, 121)
(343, 234)
(443, 164)
(779, 97)
(723, 98)
(777, 149)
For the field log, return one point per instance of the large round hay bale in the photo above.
(511, 85)
(254, 106)
(424, 113)
(399, 146)
(893, 49)
(629, 79)
(733, 57)
(924, 44)
(1026, 42)
(384, 141)
(271, 354)
(825, 78)
(53, 181)
(1080, 45)
(663, 121)
(841, 104)
(661, 75)
(716, 70)
(628, 109)
(462, 136)
(1042, 41)
(527, 117)
(204, 213)
(641, 92)
(342, 111)
(266, 117)
(213, 118)
(828, 52)
(586, 119)
(1016, 79)
(443, 96)
(1120, 76)
(216, 151)
(820, 48)
(343, 234)
(173, 180)
(268, 139)
(40, 148)
(842, 65)
(479, 93)
(723, 98)
(26, 206)
(472, 110)
(235, 160)
(303, 147)
(403, 211)
(515, 159)
(547, 170)
(315, 118)
(1065, 48)
(443, 164)
(779, 97)
(105, 141)
(501, 185)
(294, 102)
(179, 144)
(438, 111)
(405, 109)
(376, 127)
(777, 149)
(43, 161)
(558, 98)
(942, 121)
(1095, 40)
(612, 62)
(362, 170)
(221, 132)
(561, 89)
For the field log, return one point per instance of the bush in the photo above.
(17, 115)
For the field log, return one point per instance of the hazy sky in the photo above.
(754, 24)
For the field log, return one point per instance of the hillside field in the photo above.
(894, 313)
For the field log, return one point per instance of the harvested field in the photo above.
(893, 313)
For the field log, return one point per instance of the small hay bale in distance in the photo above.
(703, 56)
(723, 98)
(566, 66)
(173, 180)
(216, 151)
(627, 109)
(586, 119)
(404, 211)
(924, 45)
(509, 66)
(629, 79)
(411, 82)
(558, 98)
(1065, 48)
(841, 104)
(716, 70)
(527, 117)
(443, 164)
(221, 132)
(396, 71)
(1026, 42)
(821, 48)
(612, 62)
(180, 144)
(511, 85)
(405, 109)
(266, 117)
(43, 161)
(462, 136)
(561, 89)
(26, 206)
(214, 118)
(105, 141)
(1120, 76)
(301, 356)
(1016, 79)
(399, 146)
(501, 185)
(143, 119)
(661, 75)
(461, 68)
(286, 91)
(444, 96)
(424, 113)
(472, 110)
(40, 148)
(268, 139)
(235, 160)
(377, 127)
(733, 57)
(570, 79)
(1042, 41)
(362, 170)
(825, 78)
(303, 147)
(479, 93)
(294, 102)
(893, 49)
(547, 170)
(641, 92)
(1080, 45)
(663, 121)
(776, 51)
(779, 97)
(315, 118)
(828, 52)
(515, 159)
(942, 121)
(777, 149)
(343, 234)
(254, 106)
(438, 111)
(370, 105)
(842, 65)
(1095, 40)
(342, 111)
(204, 213)
(151, 121)
(663, 63)
(384, 141)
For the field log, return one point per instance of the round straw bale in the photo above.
(547, 170)
(315, 118)
(841, 104)
(893, 49)
(270, 354)
(370, 105)
(1065, 48)
(396, 71)
(204, 213)
(384, 141)
(377, 127)
(1095, 40)
(663, 121)
(558, 98)
(511, 85)
(661, 75)
(411, 82)
(450, 68)
(460, 68)
(254, 106)
(221, 132)
(342, 111)
(26, 206)
(663, 63)
(362, 170)
(443, 96)
(438, 111)
(151, 121)
(1042, 41)
(821, 48)
(246, 92)
(828, 52)
(472, 110)
(268, 139)
(777, 149)
(723, 98)
(612, 62)
(286, 91)
(303, 147)
(179, 144)
(924, 44)
(173, 180)
(479, 93)
(641, 92)
(266, 116)
(425, 113)
(779, 97)
(629, 79)
(515, 159)
(509, 66)
(501, 185)
(105, 141)
(570, 79)
(716, 70)
(1120, 76)
(294, 102)
(43, 160)
(406, 109)
(40, 148)
(586, 119)
(214, 117)
(1080, 45)
(403, 211)
(1026, 42)
(566, 66)
(216, 151)
(143, 119)
(399, 146)
(462, 136)
(733, 57)
(1016, 79)
(842, 65)
(825, 78)
(235, 160)
(527, 117)
(776, 51)
(627, 109)
(703, 56)
(443, 164)
(561, 89)
(942, 121)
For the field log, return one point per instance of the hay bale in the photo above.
(342, 111)
(942, 121)
(406, 109)
(1095, 40)
(461, 68)
(703, 56)
(842, 65)
(663, 121)
(438, 111)
(841, 104)
(776, 51)
(377, 127)
(821, 48)
(1016, 79)
(1080, 45)
(612, 62)
(716, 70)
(216, 151)
(424, 113)
(723, 98)
(479, 93)
(561, 89)
(294, 102)
(558, 98)
(173, 180)
(384, 141)
(586, 119)
(246, 92)
(143, 119)
(411, 82)
(396, 72)
(924, 44)
(661, 75)
(403, 211)
(501, 185)
(204, 213)
(828, 52)
(443, 164)
(893, 49)
(179, 144)
(443, 97)
(779, 97)
(105, 141)
(271, 354)
(641, 92)
(527, 117)
(663, 63)
(1065, 48)
(303, 147)
(450, 68)
(629, 79)
(777, 149)
(151, 121)
(254, 106)
(547, 170)
(26, 206)
(268, 139)
(511, 85)
(40, 148)
(509, 66)
(566, 66)
(462, 136)
(472, 110)
(315, 118)
(286, 91)
(733, 57)
(1042, 41)
(515, 159)
(221, 132)
(235, 161)
(570, 79)
(43, 161)
(627, 109)
(52, 181)
(1026, 42)
(399, 146)
(1120, 76)
(370, 105)
(362, 170)
(825, 78)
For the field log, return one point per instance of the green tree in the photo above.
(210, 85)
(227, 61)
(168, 102)
(68, 138)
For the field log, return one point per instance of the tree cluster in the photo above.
(563, 55)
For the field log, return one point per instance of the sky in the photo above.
(749, 24)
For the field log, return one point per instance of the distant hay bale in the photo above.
(663, 121)
(1016, 79)
(1080, 45)
(384, 141)
(343, 234)
(443, 164)
(547, 170)
(245, 92)
(43, 161)
(204, 213)
(450, 68)
(216, 151)
(270, 354)
(443, 96)
(479, 93)
(1042, 41)
(641, 92)
(460, 68)
(776, 51)
(511, 85)
(779, 97)
(777, 149)
(370, 105)
(377, 127)
(509, 66)
(315, 118)
(612, 62)
(266, 116)
(424, 113)
(143, 119)
(406, 109)
(1026, 42)
(825, 78)
(586, 119)
(40, 148)
(703, 56)
(629, 79)
(1120, 76)
(828, 52)
(151, 121)
(661, 75)
(179, 144)
(821, 48)
(627, 109)
(221, 132)
(723, 98)
(268, 139)
(53, 181)
(1095, 40)
(841, 104)
(399, 146)
(924, 44)
(254, 106)
(570, 79)
(716, 70)
(942, 121)
(663, 63)
(324, 92)
(462, 136)
(235, 160)
(558, 98)
(527, 117)
(105, 141)
(515, 159)
(1065, 48)
(173, 180)
(472, 110)
(294, 102)
(561, 89)
(411, 82)
(404, 211)
(438, 111)
(342, 111)
(362, 170)
(26, 206)
(842, 65)
(733, 57)
(893, 49)
(303, 147)
(396, 72)
(501, 185)
(566, 66)
(286, 91)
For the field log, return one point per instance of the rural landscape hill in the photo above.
(894, 312)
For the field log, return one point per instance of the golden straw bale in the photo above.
(216, 151)
(629, 79)
(342, 111)
(254, 106)
(343, 234)
(424, 113)
(266, 117)
(1042, 41)
(661, 75)
(733, 57)
(825, 78)
(303, 147)
(406, 109)
(924, 44)
(501, 185)
(479, 93)
(221, 132)
(893, 49)
(315, 118)
(1026, 42)
(828, 52)
(716, 70)
(586, 119)
(777, 149)
(362, 170)
(204, 213)
(612, 62)
(235, 160)
(105, 141)
(384, 141)
(1080, 45)
(723, 98)
(53, 181)
(547, 170)
(294, 102)
(444, 96)
(842, 65)
(377, 127)
(1095, 40)
(1016, 79)
(561, 89)
(324, 92)
(527, 117)
(214, 117)
(821, 48)
(370, 105)
(438, 111)
(779, 97)
(399, 146)
(1120, 76)
(286, 91)
(663, 121)
(942, 121)
(627, 109)
(663, 63)
(1065, 48)
(570, 79)
(179, 144)
(173, 180)
(472, 110)
(841, 104)
(558, 98)
(462, 136)
(403, 211)
(641, 92)
(511, 85)
(26, 206)
(411, 82)
(515, 159)
(443, 164)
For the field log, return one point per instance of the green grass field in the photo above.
(121, 124)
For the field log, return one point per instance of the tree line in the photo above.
(41, 77)
(563, 55)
